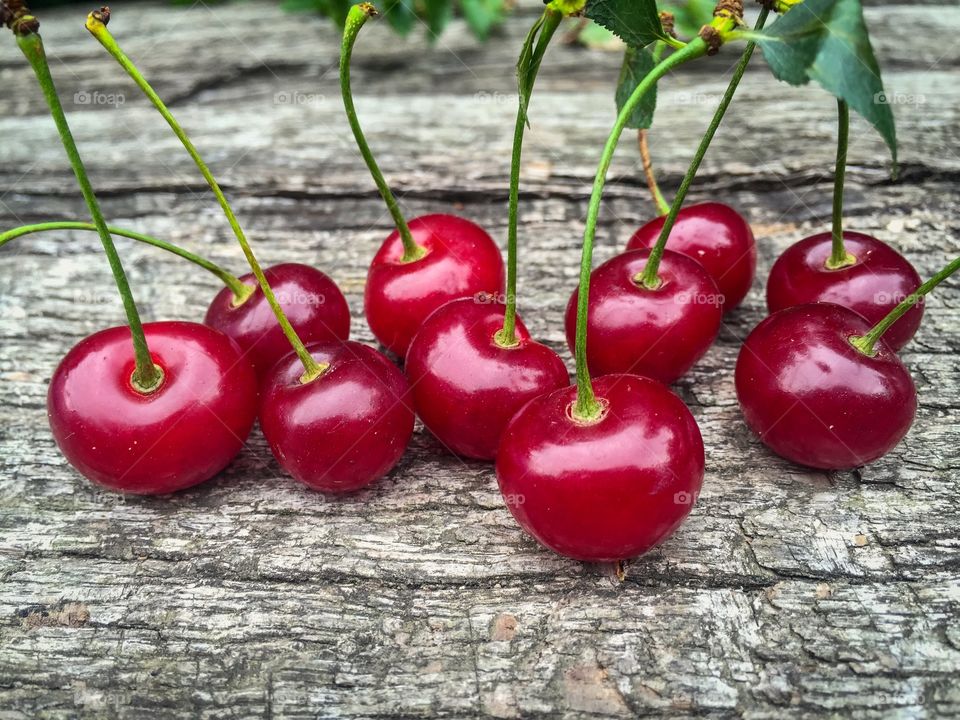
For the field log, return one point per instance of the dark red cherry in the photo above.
(466, 387)
(872, 287)
(181, 434)
(461, 261)
(312, 302)
(345, 429)
(813, 398)
(717, 237)
(657, 333)
(604, 491)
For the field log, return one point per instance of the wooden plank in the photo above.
(788, 593)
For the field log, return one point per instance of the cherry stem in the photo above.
(663, 207)
(586, 407)
(241, 291)
(532, 54)
(839, 257)
(866, 343)
(356, 18)
(648, 277)
(97, 27)
(146, 377)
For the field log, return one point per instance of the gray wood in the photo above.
(788, 593)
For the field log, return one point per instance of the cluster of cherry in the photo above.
(600, 470)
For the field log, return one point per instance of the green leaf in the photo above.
(636, 22)
(400, 14)
(637, 62)
(482, 15)
(438, 14)
(827, 41)
(691, 15)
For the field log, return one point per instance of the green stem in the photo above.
(147, 377)
(866, 343)
(547, 25)
(240, 290)
(648, 277)
(587, 408)
(96, 26)
(356, 18)
(663, 207)
(839, 257)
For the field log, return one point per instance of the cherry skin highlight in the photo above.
(813, 398)
(462, 260)
(607, 490)
(656, 333)
(466, 387)
(310, 299)
(872, 287)
(182, 434)
(717, 237)
(343, 430)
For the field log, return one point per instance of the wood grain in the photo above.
(788, 593)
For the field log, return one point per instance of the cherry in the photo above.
(717, 237)
(312, 301)
(466, 386)
(817, 400)
(461, 260)
(182, 433)
(605, 490)
(657, 333)
(346, 428)
(872, 286)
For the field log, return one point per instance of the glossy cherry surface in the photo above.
(604, 491)
(345, 429)
(872, 287)
(181, 434)
(657, 333)
(311, 301)
(813, 398)
(462, 260)
(466, 387)
(717, 237)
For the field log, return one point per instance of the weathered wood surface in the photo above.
(788, 593)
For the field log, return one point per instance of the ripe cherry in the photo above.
(460, 260)
(344, 429)
(466, 386)
(657, 333)
(717, 237)
(182, 433)
(312, 302)
(878, 280)
(605, 490)
(814, 398)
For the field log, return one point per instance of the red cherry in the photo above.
(717, 237)
(345, 429)
(312, 302)
(604, 491)
(183, 433)
(462, 260)
(872, 287)
(813, 398)
(657, 333)
(466, 387)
